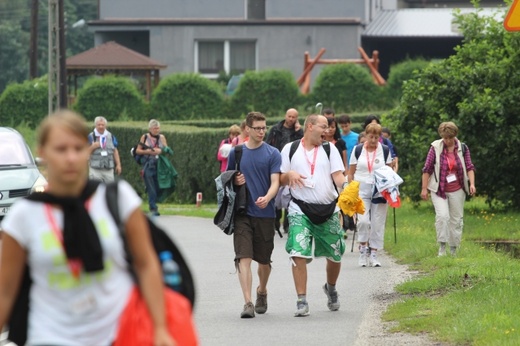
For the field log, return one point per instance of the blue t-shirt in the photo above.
(257, 165)
(351, 140)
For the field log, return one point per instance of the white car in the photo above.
(19, 174)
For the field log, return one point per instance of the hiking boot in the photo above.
(362, 256)
(442, 250)
(373, 259)
(249, 311)
(333, 302)
(453, 250)
(302, 308)
(261, 302)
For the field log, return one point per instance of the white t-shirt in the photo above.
(323, 190)
(64, 310)
(362, 174)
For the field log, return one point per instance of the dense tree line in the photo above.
(15, 28)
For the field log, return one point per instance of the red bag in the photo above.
(136, 325)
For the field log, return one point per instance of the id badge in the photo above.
(308, 183)
(104, 153)
(83, 304)
(451, 178)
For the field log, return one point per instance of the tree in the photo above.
(477, 88)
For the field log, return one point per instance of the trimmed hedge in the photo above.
(346, 88)
(187, 96)
(271, 92)
(112, 97)
(26, 102)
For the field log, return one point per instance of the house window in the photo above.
(213, 57)
(255, 9)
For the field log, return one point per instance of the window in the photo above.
(212, 57)
(255, 9)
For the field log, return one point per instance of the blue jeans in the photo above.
(151, 183)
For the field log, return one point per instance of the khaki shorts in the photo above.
(328, 238)
(254, 238)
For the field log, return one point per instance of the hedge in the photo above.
(399, 74)
(184, 96)
(24, 103)
(112, 97)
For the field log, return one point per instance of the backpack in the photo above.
(161, 242)
(359, 147)
(133, 151)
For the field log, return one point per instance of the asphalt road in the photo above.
(219, 298)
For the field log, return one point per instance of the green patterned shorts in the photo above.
(328, 238)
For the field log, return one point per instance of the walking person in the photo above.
(285, 131)
(449, 175)
(104, 156)
(225, 146)
(350, 137)
(80, 278)
(311, 174)
(253, 237)
(150, 146)
(371, 224)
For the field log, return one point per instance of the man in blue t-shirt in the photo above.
(253, 237)
(350, 137)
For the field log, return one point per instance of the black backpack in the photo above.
(161, 242)
(133, 151)
(359, 147)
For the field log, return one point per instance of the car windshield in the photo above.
(13, 151)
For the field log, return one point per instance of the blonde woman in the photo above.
(80, 279)
(449, 175)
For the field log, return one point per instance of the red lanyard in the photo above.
(74, 263)
(450, 163)
(370, 164)
(315, 155)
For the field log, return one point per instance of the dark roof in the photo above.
(227, 21)
(111, 55)
(424, 22)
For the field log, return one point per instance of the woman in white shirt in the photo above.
(80, 278)
(371, 224)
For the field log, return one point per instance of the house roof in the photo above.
(111, 55)
(225, 21)
(424, 22)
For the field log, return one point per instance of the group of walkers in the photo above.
(315, 162)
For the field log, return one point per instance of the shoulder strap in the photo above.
(111, 197)
(294, 146)
(386, 151)
(357, 150)
(93, 136)
(326, 146)
(464, 148)
(238, 156)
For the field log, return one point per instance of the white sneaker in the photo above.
(442, 250)
(362, 257)
(373, 259)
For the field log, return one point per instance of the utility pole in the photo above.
(57, 72)
(33, 54)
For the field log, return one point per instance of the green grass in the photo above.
(205, 210)
(470, 299)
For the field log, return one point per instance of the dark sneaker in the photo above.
(333, 302)
(302, 308)
(249, 311)
(261, 303)
(154, 213)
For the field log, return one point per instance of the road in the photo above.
(219, 299)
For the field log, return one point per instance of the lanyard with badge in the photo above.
(370, 164)
(309, 182)
(103, 144)
(451, 177)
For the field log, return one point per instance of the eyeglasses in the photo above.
(324, 127)
(260, 129)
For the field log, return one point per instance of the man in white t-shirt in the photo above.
(311, 174)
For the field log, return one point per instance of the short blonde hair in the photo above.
(234, 130)
(373, 129)
(67, 119)
(448, 129)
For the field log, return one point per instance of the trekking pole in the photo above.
(320, 106)
(395, 229)
(354, 236)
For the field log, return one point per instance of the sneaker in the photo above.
(261, 303)
(362, 257)
(154, 213)
(249, 311)
(453, 250)
(373, 259)
(302, 308)
(333, 302)
(442, 250)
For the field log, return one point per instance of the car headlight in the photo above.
(39, 185)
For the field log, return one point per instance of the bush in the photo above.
(477, 88)
(271, 92)
(187, 96)
(399, 74)
(346, 88)
(111, 97)
(24, 103)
